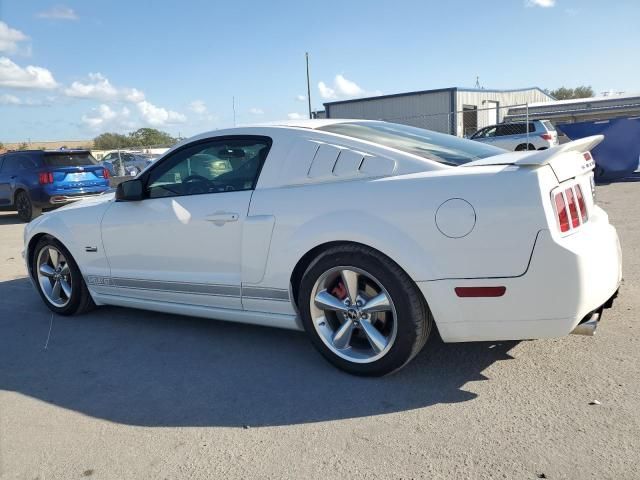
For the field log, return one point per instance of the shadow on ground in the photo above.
(150, 369)
(7, 218)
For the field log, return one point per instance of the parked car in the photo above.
(365, 234)
(133, 163)
(35, 180)
(513, 136)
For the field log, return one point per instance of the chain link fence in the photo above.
(471, 119)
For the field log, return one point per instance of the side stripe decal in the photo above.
(258, 293)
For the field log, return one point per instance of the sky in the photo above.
(73, 69)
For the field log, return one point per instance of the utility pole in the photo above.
(233, 105)
(306, 55)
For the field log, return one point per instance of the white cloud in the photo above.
(199, 107)
(104, 116)
(256, 111)
(15, 76)
(347, 88)
(100, 88)
(296, 116)
(10, 39)
(326, 92)
(342, 88)
(541, 3)
(59, 12)
(158, 116)
(8, 99)
(302, 98)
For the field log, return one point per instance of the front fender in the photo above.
(78, 229)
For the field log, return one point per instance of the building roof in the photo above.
(436, 90)
(605, 98)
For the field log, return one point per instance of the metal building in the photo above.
(455, 110)
(581, 109)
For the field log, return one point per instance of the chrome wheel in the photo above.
(353, 314)
(54, 276)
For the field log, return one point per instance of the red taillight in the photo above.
(567, 205)
(561, 212)
(45, 178)
(105, 173)
(581, 203)
(546, 136)
(587, 155)
(573, 208)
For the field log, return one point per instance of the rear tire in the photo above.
(26, 210)
(51, 262)
(380, 342)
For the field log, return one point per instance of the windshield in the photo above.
(69, 159)
(439, 147)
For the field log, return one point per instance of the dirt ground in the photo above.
(123, 394)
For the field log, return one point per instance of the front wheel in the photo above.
(27, 211)
(362, 311)
(58, 278)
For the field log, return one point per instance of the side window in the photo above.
(488, 132)
(221, 165)
(10, 164)
(27, 163)
(511, 129)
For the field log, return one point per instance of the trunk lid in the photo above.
(75, 169)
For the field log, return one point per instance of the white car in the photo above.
(365, 234)
(517, 136)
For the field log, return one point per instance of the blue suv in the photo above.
(35, 180)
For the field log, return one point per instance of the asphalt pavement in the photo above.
(124, 394)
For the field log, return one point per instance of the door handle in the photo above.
(222, 217)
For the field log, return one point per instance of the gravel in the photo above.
(128, 394)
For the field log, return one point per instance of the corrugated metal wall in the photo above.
(493, 106)
(430, 110)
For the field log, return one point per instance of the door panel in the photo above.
(184, 249)
(7, 179)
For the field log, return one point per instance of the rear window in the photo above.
(69, 159)
(548, 125)
(438, 147)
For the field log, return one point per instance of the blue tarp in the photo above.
(619, 153)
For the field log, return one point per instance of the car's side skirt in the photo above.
(232, 315)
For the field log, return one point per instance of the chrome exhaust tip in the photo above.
(588, 325)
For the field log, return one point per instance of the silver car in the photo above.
(535, 135)
(132, 163)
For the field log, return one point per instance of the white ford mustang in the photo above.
(362, 233)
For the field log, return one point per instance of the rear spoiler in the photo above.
(540, 157)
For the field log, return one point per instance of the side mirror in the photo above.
(129, 191)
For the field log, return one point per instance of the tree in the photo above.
(111, 141)
(564, 93)
(143, 137)
(148, 137)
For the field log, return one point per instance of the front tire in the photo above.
(58, 278)
(26, 210)
(362, 311)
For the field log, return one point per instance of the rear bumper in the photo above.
(47, 198)
(567, 279)
(63, 199)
